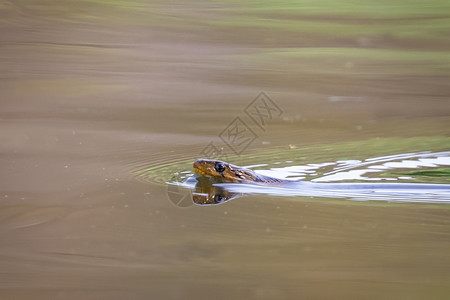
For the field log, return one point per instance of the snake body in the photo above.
(214, 171)
(231, 173)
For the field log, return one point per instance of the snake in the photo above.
(216, 171)
(232, 173)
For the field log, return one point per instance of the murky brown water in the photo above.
(90, 93)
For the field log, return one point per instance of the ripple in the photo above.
(358, 180)
(391, 163)
(325, 162)
(394, 192)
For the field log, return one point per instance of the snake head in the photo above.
(219, 169)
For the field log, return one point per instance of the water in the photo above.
(101, 104)
(344, 180)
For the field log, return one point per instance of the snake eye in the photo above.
(220, 167)
(218, 198)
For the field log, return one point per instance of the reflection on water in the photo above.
(206, 191)
(210, 191)
(354, 170)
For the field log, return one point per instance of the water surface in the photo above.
(102, 103)
(349, 179)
